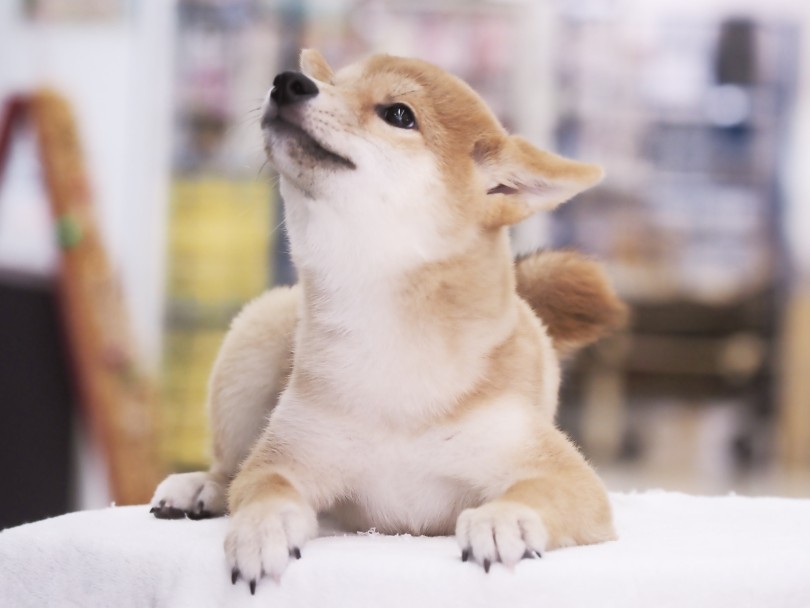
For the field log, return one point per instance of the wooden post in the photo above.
(116, 396)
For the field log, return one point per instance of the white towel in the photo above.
(673, 550)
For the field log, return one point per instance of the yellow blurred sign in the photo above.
(219, 258)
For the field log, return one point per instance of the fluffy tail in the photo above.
(572, 295)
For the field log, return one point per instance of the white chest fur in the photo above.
(399, 375)
(397, 480)
(375, 411)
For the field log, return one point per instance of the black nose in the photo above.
(292, 87)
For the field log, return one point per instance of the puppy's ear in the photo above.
(521, 180)
(314, 65)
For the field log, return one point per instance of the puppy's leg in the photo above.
(287, 479)
(560, 502)
(270, 522)
(249, 374)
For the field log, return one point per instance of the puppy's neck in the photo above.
(431, 331)
(476, 285)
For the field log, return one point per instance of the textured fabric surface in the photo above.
(674, 550)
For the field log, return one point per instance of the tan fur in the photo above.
(315, 65)
(573, 297)
(267, 485)
(258, 350)
(562, 493)
(423, 387)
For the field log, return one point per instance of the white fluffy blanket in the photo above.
(674, 550)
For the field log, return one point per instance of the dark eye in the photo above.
(398, 115)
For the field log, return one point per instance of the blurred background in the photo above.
(699, 111)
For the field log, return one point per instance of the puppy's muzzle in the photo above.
(292, 87)
(289, 88)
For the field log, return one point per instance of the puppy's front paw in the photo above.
(500, 531)
(263, 535)
(193, 495)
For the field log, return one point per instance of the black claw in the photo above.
(538, 554)
(253, 587)
(487, 564)
(200, 515)
(159, 507)
(234, 575)
(296, 552)
(164, 512)
(465, 555)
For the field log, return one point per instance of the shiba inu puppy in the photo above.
(404, 384)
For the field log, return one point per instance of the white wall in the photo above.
(797, 177)
(118, 77)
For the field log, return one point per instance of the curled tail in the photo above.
(572, 295)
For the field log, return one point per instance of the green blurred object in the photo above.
(68, 231)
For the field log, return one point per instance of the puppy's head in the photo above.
(399, 148)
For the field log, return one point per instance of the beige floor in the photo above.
(686, 448)
(768, 482)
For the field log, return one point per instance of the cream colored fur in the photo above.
(403, 384)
